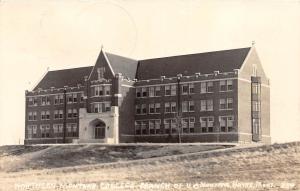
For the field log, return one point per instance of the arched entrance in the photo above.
(99, 128)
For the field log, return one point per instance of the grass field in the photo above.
(150, 167)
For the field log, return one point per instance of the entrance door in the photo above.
(99, 127)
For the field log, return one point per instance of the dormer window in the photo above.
(100, 72)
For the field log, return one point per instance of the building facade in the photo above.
(221, 96)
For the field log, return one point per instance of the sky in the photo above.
(36, 35)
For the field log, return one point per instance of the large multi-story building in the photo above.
(221, 96)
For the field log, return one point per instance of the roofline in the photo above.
(247, 58)
(193, 54)
(42, 77)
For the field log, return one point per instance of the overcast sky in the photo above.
(38, 34)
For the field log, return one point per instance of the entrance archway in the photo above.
(99, 128)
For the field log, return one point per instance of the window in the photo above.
(207, 124)
(226, 103)
(154, 91)
(226, 85)
(185, 89)
(222, 104)
(157, 126)
(167, 126)
(167, 90)
(255, 106)
(185, 125)
(154, 126)
(72, 130)
(157, 108)
(138, 109)
(157, 91)
(59, 99)
(144, 92)
(151, 91)
(170, 90)
(58, 114)
(255, 88)
(45, 130)
(107, 106)
(74, 98)
(107, 90)
(43, 115)
(31, 131)
(191, 88)
(206, 87)
(47, 115)
(32, 101)
(137, 127)
(192, 124)
(254, 70)
(58, 130)
(167, 107)
(227, 123)
(81, 97)
(151, 108)
(144, 109)
(70, 113)
(138, 92)
(184, 106)
(101, 107)
(188, 106)
(144, 127)
(191, 106)
(56, 99)
(45, 100)
(154, 108)
(32, 116)
(173, 107)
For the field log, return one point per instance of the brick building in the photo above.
(221, 96)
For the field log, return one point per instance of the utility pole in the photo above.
(178, 118)
(64, 115)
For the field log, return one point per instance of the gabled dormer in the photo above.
(102, 69)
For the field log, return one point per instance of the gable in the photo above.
(102, 68)
(251, 61)
(204, 63)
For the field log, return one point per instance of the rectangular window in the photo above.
(185, 107)
(61, 114)
(45, 130)
(152, 126)
(173, 90)
(226, 85)
(210, 105)
(185, 89)
(43, 115)
(157, 90)
(144, 92)
(157, 126)
(167, 107)
(192, 124)
(144, 109)
(151, 91)
(56, 99)
(107, 106)
(107, 90)
(206, 87)
(32, 101)
(47, 115)
(191, 106)
(157, 108)
(167, 126)
(185, 125)
(138, 110)
(61, 98)
(69, 98)
(75, 113)
(138, 92)
(151, 108)
(29, 131)
(70, 113)
(203, 124)
(167, 90)
(202, 105)
(222, 104)
(58, 130)
(138, 127)
(74, 98)
(43, 100)
(191, 88)
(173, 107)
(81, 97)
(144, 127)
(229, 103)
